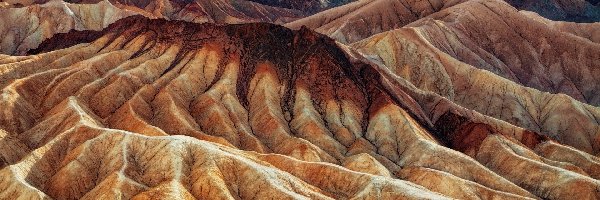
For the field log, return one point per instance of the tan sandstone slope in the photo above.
(361, 19)
(555, 57)
(492, 35)
(424, 53)
(169, 109)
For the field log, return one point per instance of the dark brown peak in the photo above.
(268, 41)
(253, 31)
(319, 43)
(308, 34)
(185, 31)
(261, 30)
(297, 57)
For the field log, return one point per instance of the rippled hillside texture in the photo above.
(373, 99)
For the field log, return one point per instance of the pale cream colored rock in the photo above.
(451, 185)
(503, 156)
(367, 164)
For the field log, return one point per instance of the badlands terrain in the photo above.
(315, 99)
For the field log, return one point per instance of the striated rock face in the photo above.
(555, 57)
(358, 20)
(26, 26)
(426, 55)
(590, 31)
(169, 109)
(361, 19)
(495, 37)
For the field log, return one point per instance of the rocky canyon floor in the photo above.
(314, 99)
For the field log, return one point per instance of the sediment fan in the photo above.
(150, 108)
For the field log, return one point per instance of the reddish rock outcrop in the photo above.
(170, 109)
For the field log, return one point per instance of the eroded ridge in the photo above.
(168, 109)
(26, 23)
(493, 35)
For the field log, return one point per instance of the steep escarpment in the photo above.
(170, 109)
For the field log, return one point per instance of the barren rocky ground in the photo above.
(380, 99)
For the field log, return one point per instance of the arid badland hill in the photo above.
(379, 99)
